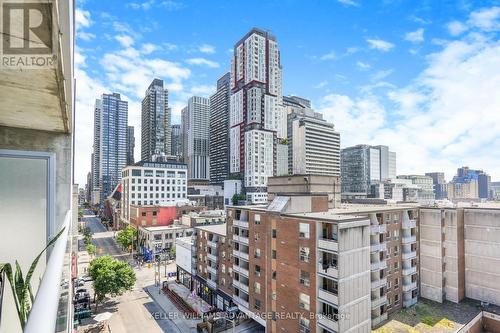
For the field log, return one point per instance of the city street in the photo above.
(132, 312)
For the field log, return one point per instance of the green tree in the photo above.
(111, 277)
(87, 236)
(237, 197)
(91, 249)
(172, 252)
(126, 237)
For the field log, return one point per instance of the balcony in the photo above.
(378, 320)
(378, 229)
(328, 296)
(410, 286)
(378, 247)
(325, 322)
(240, 270)
(379, 283)
(212, 270)
(328, 244)
(379, 301)
(377, 266)
(330, 271)
(409, 270)
(409, 239)
(240, 254)
(408, 224)
(409, 302)
(409, 255)
(212, 257)
(240, 302)
(241, 224)
(240, 239)
(212, 284)
(240, 285)
(211, 243)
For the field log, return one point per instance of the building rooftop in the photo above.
(188, 240)
(166, 228)
(219, 229)
(163, 165)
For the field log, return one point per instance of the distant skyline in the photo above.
(421, 78)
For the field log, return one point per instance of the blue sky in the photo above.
(419, 76)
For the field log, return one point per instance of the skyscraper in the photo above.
(130, 145)
(155, 128)
(439, 184)
(362, 165)
(196, 129)
(313, 143)
(219, 131)
(257, 118)
(176, 141)
(110, 142)
(96, 152)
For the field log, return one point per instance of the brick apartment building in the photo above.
(305, 263)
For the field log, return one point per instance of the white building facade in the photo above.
(316, 147)
(153, 183)
(257, 117)
(196, 145)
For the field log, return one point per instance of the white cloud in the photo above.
(203, 62)
(206, 48)
(447, 117)
(380, 44)
(485, 19)
(125, 40)
(416, 36)
(348, 3)
(82, 21)
(146, 5)
(381, 74)
(149, 48)
(329, 56)
(362, 65)
(202, 90)
(322, 84)
(82, 18)
(456, 28)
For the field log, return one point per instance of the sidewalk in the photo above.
(171, 312)
(196, 303)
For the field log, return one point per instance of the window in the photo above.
(304, 325)
(274, 233)
(136, 172)
(304, 230)
(257, 253)
(154, 213)
(274, 275)
(396, 217)
(304, 301)
(257, 304)
(330, 312)
(396, 283)
(304, 254)
(257, 270)
(273, 254)
(257, 218)
(257, 287)
(143, 214)
(396, 299)
(395, 234)
(304, 278)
